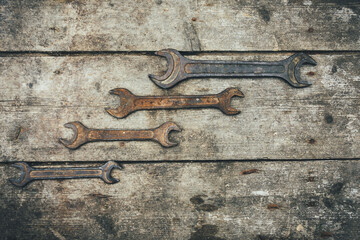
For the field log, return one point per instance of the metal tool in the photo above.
(181, 68)
(130, 103)
(84, 135)
(29, 174)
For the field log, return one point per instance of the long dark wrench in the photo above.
(29, 174)
(130, 103)
(84, 135)
(181, 68)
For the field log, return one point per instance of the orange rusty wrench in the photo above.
(84, 135)
(130, 103)
(29, 174)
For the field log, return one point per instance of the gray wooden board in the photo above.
(282, 200)
(41, 93)
(181, 200)
(193, 25)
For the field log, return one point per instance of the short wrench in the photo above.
(84, 135)
(181, 68)
(130, 103)
(29, 174)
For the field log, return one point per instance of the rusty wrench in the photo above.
(29, 174)
(84, 135)
(130, 103)
(181, 68)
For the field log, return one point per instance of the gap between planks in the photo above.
(179, 161)
(151, 53)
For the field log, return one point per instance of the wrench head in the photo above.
(225, 100)
(25, 174)
(161, 134)
(294, 63)
(80, 135)
(107, 168)
(126, 103)
(174, 73)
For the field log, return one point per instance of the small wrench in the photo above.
(181, 68)
(130, 103)
(29, 174)
(84, 135)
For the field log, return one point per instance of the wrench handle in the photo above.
(65, 173)
(118, 135)
(233, 69)
(175, 102)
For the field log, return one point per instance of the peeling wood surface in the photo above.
(193, 25)
(282, 200)
(40, 94)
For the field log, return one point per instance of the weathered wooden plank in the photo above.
(281, 200)
(192, 25)
(40, 94)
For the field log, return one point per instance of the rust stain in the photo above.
(249, 171)
(18, 132)
(311, 73)
(272, 206)
(55, 29)
(99, 195)
(311, 141)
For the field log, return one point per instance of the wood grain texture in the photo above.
(41, 93)
(280, 200)
(192, 25)
(59, 59)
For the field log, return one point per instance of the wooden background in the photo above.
(285, 168)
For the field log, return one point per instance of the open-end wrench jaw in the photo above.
(25, 174)
(161, 134)
(80, 135)
(175, 72)
(173, 57)
(106, 174)
(225, 100)
(292, 71)
(126, 103)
